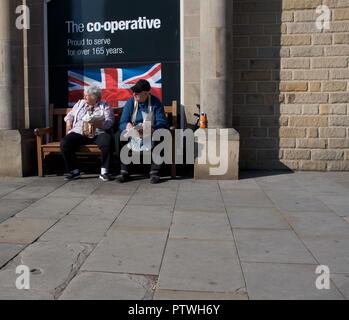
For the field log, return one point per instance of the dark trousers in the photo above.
(154, 168)
(71, 143)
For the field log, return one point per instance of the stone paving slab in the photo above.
(243, 198)
(318, 224)
(78, 229)
(158, 217)
(201, 266)
(342, 283)
(197, 295)
(29, 193)
(23, 231)
(201, 226)
(13, 294)
(317, 184)
(50, 208)
(195, 197)
(36, 190)
(8, 185)
(131, 251)
(9, 208)
(296, 201)
(109, 286)
(7, 189)
(285, 282)
(256, 218)
(330, 251)
(78, 188)
(101, 206)
(150, 197)
(8, 252)
(169, 185)
(278, 246)
(53, 265)
(344, 183)
(194, 202)
(238, 185)
(339, 204)
(115, 190)
(279, 182)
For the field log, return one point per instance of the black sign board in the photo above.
(90, 34)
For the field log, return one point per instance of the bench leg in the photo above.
(173, 171)
(40, 169)
(40, 164)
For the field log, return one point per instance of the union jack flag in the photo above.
(115, 83)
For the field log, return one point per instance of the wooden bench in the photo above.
(48, 139)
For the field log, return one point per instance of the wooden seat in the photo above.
(48, 139)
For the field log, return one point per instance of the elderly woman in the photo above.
(90, 122)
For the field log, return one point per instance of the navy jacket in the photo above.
(160, 121)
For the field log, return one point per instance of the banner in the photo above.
(90, 39)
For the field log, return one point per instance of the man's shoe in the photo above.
(123, 177)
(105, 177)
(72, 176)
(154, 179)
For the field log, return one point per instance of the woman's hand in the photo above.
(69, 125)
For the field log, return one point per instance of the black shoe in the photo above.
(72, 176)
(105, 177)
(123, 177)
(154, 179)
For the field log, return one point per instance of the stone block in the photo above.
(230, 159)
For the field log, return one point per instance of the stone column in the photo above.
(216, 91)
(11, 67)
(216, 71)
(17, 145)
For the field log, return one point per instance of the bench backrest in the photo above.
(57, 116)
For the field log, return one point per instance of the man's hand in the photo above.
(129, 126)
(141, 132)
(98, 124)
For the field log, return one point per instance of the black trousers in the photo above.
(71, 143)
(154, 168)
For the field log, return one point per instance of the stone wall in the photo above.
(291, 85)
(290, 95)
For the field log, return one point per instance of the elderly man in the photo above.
(90, 122)
(139, 105)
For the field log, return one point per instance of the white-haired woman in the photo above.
(90, 122)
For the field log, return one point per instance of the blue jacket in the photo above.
(160, 121)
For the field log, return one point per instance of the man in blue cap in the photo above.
(142, 103)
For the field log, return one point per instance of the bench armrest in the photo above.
(41, 132)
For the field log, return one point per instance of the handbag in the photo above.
(88, 127)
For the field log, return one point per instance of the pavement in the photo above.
(262, 237)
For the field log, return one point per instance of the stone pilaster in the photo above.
(215, 50)
(11, 71)
(17, 144)
(216, 88)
